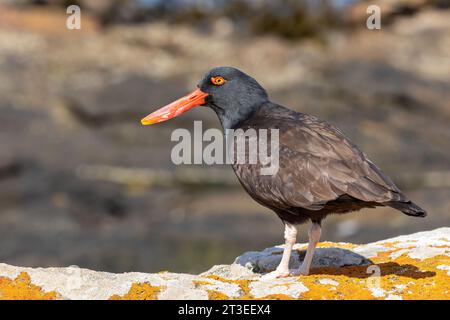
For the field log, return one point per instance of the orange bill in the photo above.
(193, 99)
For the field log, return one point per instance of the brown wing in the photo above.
(317, 164)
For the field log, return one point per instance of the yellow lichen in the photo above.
(212, 294)
(403, 277)
(139, 291)
(21, 288)
(276, 297)
(217, 295)
(200, 283)
(328, 244)
(422, 278)
(349, 279)
(243, 284)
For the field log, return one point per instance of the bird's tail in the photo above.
(408, 207)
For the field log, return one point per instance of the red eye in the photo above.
(218, 81)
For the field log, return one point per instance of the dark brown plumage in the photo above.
(321, 171)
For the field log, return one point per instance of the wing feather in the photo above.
(318, 164)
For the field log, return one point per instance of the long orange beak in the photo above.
(193, 99)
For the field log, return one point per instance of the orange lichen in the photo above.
(389, 244)
(139, 291)
(423, 280)
(244, 285)
(276, 297)
(217, 295)
(246, 291)
(212, 294)
(21, 288)
(328, 244)
(402, 277)
(349, 279)
(200, 282)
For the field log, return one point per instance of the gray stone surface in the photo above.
(268, 259)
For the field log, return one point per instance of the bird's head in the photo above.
(231, 93)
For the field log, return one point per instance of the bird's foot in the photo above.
(302, 271)
(278, 273)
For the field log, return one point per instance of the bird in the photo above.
(320, 170)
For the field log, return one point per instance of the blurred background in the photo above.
(83, 183)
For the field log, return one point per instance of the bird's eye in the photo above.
(217, 81)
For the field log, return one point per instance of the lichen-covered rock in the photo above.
(414, 266)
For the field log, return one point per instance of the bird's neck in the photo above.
(232, 116)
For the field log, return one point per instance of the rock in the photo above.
(415, 266)
(125, 99)
(268, 259)
(278, 287)
(233, 272)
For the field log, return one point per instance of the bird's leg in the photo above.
(290, 236)
(314, 236)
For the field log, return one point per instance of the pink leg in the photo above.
(290, 236)
(314, 237)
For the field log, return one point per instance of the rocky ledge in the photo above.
(415, 266)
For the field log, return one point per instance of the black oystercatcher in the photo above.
(321, 171)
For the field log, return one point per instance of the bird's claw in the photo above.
(300, 272)
(278, 273)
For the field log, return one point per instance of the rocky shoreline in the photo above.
(415, 266)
